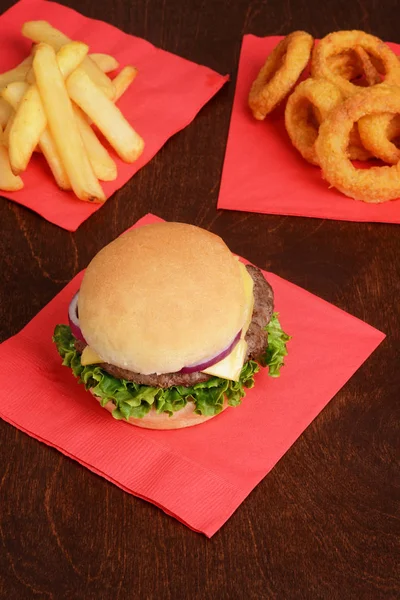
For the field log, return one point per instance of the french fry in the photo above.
(123, 80)
(69, 57)
(103, 165)
(105, 62)
(50, 152)
(8, 181)
(63, 125)
(5, 112)
(123, 138)
(43, 32)
(14, 92)
(7, 129)
(30, 76)
(28, 124)
(30, 120)
(17, 74)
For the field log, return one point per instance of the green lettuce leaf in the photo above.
(276, 349)
(133, 400)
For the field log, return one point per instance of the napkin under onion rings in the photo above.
(377, 133)
(280, 73)
(339, 41)
(376, 184)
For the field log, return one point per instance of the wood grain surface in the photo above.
(324, 523)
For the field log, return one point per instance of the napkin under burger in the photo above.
(169, 327)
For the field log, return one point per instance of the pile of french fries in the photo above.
(48, 104)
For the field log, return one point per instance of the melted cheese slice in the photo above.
(228, 368)
(90, 357)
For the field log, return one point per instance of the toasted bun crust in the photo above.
(186, 417)
(162, 297)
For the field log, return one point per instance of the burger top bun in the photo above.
(162, 297)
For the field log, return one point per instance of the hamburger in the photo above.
(169, 328)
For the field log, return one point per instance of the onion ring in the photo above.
(280, 73)
(372, 76)
(312, 94)
(307, 107)
(377, 184)
(335, 43)
(377, 133)
(355, 65)
(356, 149)
(344, 65)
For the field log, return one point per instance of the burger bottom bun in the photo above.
(186, 417)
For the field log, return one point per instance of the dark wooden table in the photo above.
(322, 525)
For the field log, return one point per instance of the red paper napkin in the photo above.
(164, 98)
(264, 173)
(199, 475)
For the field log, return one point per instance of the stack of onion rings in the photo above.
(349, 109)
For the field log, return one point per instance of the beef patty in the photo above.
(256, 339)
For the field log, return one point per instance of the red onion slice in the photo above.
(214, 359)
(74, 319)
